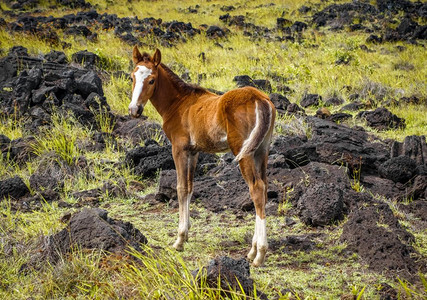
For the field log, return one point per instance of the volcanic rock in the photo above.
(292, 243)
(300, 181)
(394, 5)
(75, 3)
(4, 144)
(43, 85)
(355, 106)
(387, 292)
(92, 197)
(147, 160)
(299, 26)
(323, 113)
(293, 108)
(13, 187)
(222, 187)
(382, 186)
(50, 174)
(337, 15)
(415, 147)
(216, 32)
(56, 57)
(339, 117)
(304, 9)
(88, 83)
(86, 58)
(92, 229)
(333, 144)
(310, 100)
(419, 188)
(237, 21)
(167, 186)
(244, 80)
(283, 23)
(399, 169)
(229, 274)
(375, 234)
(42, 93)
(407, 26)
(382, 119)
(263, 84)
(78, 30)
(23, 86)
(321, 205)
(333, 101)
(280, 102)
(21, 149)
(139, 130)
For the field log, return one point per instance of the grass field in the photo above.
(308, 66)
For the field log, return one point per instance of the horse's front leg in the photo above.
(185, 164)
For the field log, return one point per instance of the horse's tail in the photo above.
(264, 120)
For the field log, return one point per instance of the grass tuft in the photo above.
(61, 138)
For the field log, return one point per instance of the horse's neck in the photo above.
(166, 94)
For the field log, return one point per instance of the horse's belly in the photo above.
(210, 141)
(206, 128)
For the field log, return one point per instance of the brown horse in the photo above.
(194, 119)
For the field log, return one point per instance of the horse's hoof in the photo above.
(178, 247)
(252, 254)
(259, 260)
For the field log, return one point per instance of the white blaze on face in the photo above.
(140, 75)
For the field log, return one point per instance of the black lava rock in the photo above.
(13, 187)
(310, 100)
(399, 169)
(321, 204)
(382, 119)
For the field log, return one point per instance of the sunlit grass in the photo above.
(11, 127)
(61, 138)
(117, 91)
(415, 118)
(308, 66)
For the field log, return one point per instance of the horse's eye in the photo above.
(151, 81)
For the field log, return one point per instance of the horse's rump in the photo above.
(249, 117)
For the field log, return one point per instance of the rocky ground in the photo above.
(331, 175)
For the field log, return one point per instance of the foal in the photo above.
(194, 119)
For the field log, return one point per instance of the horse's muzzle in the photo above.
(136, 111)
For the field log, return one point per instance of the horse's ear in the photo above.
(136, 55)
(157, 57)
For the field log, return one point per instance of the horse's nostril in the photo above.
(136, 111)
(139, 112)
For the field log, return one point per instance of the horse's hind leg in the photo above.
(251, 171)
(185, 164)
(261, 160)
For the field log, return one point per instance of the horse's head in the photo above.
(144, 78)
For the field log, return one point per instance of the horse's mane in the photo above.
(181, 85)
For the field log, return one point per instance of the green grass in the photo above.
(10, 127)
(61, 138)
(327, 272)
(118, 92)
(167, 272)
(415, 118)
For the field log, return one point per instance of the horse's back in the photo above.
(241, 104)
(244, 95)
